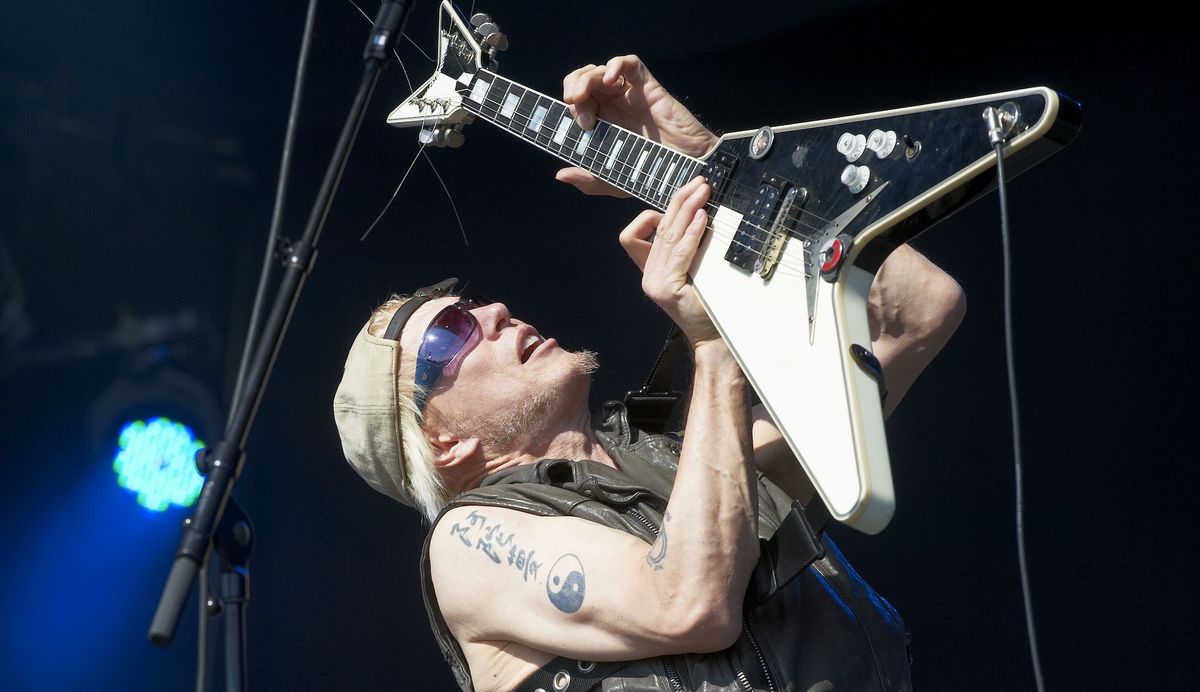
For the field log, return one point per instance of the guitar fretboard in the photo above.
(643, 168)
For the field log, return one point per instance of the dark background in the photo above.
(139, 151)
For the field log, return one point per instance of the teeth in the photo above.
(527, 346)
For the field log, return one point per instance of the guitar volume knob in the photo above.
(856, 178)
(882, 143)
(851, 146)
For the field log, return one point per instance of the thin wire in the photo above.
(453, 207)
(1016, 421)
(393, 197)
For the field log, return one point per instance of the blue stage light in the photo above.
(156, 460)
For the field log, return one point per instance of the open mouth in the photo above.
(529, 345)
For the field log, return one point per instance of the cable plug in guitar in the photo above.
(1000, 123)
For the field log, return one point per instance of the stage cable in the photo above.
(1016, 423)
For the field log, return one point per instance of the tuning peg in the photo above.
(442, 136)
(479, 18)
(496, 40)
(454, 138)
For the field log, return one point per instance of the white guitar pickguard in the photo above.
(766, 324)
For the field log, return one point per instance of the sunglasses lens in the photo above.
(450, 331)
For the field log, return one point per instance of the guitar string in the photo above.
(630, 187)
(498, 103)
(712, 207)
(788, 267)
(787, 226)
(662, 182)
(624, 168)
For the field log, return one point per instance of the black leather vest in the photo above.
(826, 630)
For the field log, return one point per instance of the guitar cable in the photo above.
(1016, 423)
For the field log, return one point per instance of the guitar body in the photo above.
(801, 218)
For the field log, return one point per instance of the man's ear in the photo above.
(456, 461)
(452, 451)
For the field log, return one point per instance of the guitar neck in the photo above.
(626, 160)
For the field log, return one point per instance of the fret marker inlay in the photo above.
(560, 135)
(583, 142)
(612, 155)
(510, 105)
(539, 114)
(479, 91)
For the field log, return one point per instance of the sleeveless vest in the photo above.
(827, 630)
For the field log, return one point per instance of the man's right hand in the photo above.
(666, 258)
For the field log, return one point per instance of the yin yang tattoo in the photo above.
(565, 584)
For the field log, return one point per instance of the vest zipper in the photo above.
(643, 521)
(738, 672)
(758, 653)
(673, 674)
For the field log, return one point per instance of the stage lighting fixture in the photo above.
(156, 460)
(148, 426)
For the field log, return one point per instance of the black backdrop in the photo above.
(139, 150)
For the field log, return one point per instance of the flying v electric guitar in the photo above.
(801, 218)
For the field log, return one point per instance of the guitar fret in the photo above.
(524, 114)
(601, 141)
(622, 158)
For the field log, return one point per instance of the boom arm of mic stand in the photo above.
(226, 465)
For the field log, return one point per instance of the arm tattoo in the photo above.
(566, 584)
(489, 538)
(655, 559)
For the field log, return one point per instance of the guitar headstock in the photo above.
(436, 107)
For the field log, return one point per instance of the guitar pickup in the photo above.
(719, 171)
(760, 238)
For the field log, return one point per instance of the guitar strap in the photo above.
(651, 407)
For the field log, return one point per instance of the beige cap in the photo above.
(366, 408)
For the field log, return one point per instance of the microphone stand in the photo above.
(225, 462)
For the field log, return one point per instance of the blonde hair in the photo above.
(426, 488)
